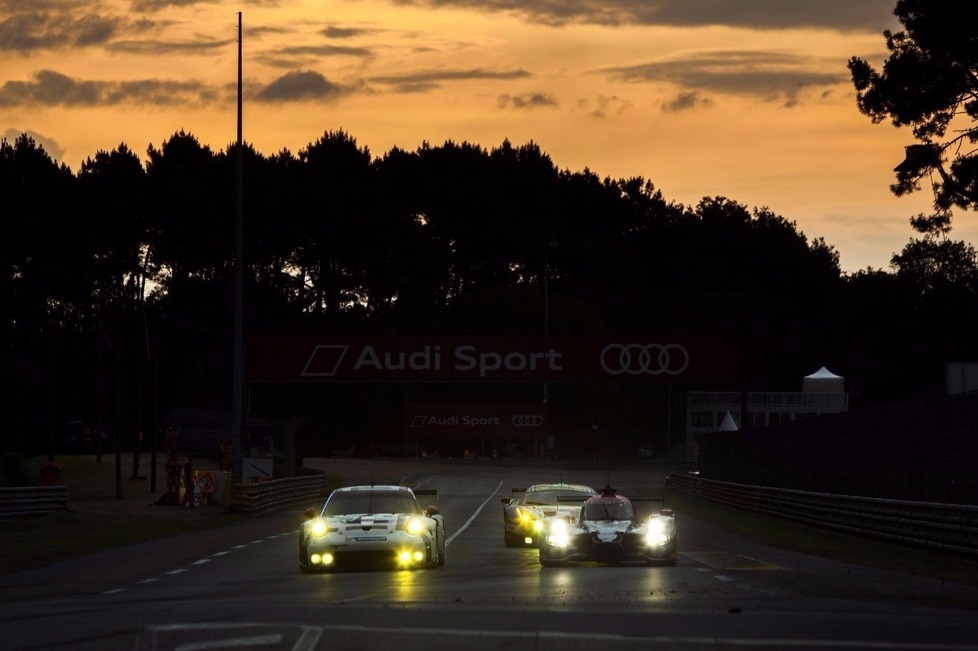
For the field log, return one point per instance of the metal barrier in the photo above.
(278, 493)
(945, 526)
(32, 500)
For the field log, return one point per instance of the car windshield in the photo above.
(370, 502)
(609, 510)
(550, 497)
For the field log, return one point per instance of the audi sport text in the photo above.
(465, 358)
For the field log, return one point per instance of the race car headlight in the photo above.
(414, 526)
(525, 516)
(558, 536)
(319, 528)
(656, 527)
(659, 531)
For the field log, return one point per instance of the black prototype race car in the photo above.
(609, 531)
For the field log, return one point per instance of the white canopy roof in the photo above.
(823, 374)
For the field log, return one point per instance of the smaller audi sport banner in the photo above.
(467, 419)
(309, 358)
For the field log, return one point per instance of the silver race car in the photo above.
(372, 525)
(609, 531)
(524, 516)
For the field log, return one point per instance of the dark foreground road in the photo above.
(239, 588)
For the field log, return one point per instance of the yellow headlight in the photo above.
(414, 526)
(319, 528)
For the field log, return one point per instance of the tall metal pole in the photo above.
(546, 334)
(237, 415)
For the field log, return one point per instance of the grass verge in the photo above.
(826, 543)
(98, 518)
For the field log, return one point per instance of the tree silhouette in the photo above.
(447, 239)
(929, 83)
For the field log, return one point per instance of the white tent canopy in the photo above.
(728, 424)
(823, 381)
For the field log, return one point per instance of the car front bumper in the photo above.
(627, 548)
(397, 548)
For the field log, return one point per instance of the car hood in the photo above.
(611, 527)
(570, 513)
(373, 522)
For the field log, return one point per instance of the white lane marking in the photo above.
(474, 515)
(255, 640)
(721, 577)
(307, 640)
(668, 641)
(202, 561)
(349, 599)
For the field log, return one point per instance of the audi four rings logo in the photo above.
(527, 421)
(648, 359)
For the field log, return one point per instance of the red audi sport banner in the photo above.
(468, 419)
(310, 358)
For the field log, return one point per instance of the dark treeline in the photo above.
(117, 280)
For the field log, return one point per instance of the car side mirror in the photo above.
(431, 510)
(310, 513)
(505, 500)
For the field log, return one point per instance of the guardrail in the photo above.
(945, 526)
(31, 500)
(277, 493)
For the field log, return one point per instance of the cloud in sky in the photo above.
(604, 106)
(50, 145)
(27, 31)
(52, 88)
(527, 101)
(768, 75)
(325, 50)
(430, 79)
(686, 102)
(154, 48)
(334, 31)
(298, 86)
(752, 14)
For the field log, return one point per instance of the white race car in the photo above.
(368, 525)
(524, 516)
(609, 531)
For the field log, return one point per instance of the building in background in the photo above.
(822, 392)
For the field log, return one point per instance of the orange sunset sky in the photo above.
(746, 99)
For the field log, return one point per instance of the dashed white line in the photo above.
(255, 640)
(474, 515)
